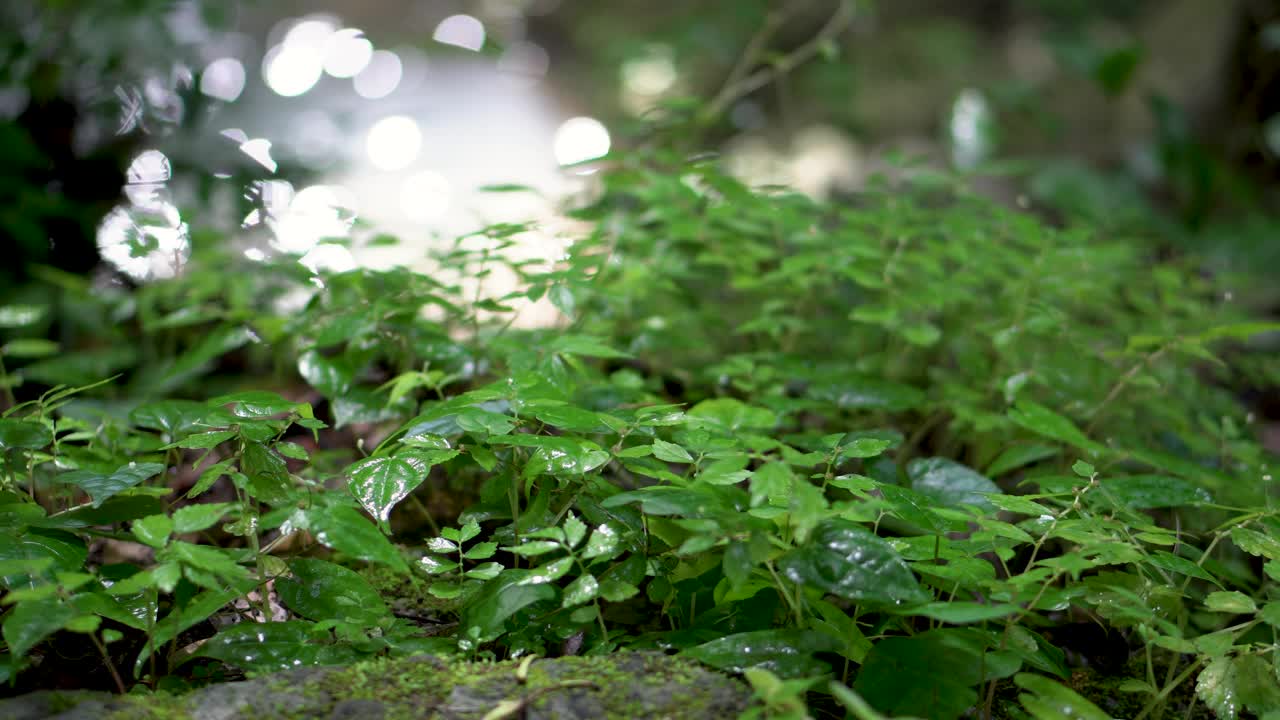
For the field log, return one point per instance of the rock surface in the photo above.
(620, 686)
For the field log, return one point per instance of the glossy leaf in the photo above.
(949, 483)
(344, 529)
(500, 599)
(583, 589)
(785, 653)
(1144, 492)
(101, 487)
(23, 434)
(320, 590)
(847, 560)
(273, 646)
(380, 483)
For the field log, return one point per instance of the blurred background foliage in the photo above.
(1156, 120)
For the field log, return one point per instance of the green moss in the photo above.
(406, 593)
(405, 687)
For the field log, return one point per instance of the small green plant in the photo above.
(890, 455)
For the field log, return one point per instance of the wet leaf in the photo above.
(101, 487)
(273, 646)
(380, 483)
(347, 531)
(1216, 688)
(1256, 543)
(846, 559)
(1045, 699)
(582, 590)
(1045, 422)
(500, 599)
(23, 434)
(320, 590)
(949, 483)
(785, 653)
(1143, 492)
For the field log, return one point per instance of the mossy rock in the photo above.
(623, 685)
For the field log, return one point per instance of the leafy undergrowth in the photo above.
(911, 455)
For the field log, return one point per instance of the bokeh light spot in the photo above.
(346, 53)
(380, 76)
(580, 139)
(223, 79)
(393, 142)
(461, 31)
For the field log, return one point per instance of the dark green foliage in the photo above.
(889, 445)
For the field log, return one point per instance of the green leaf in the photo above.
(101, 487)
(604, 542)
(1048, 700)
(584, 589)
(16, 316)
(1019, 456)
(172, 417)
(380, 483)
(205, 440)
(732, 415)
(949, 483)
(23, 434)
(255, 404)
(785, 653)
(1173, 563)
(344, 529)
(961, 613)
(473, 419)
(670, 452)
(1216, 688)
(32, 621)
(320, 590)
(1235, 603)
(29, 348)
(153, 530)
(1043, 421)
(845, 559)
(574, 530)
(1143, 492)
(1255, 543)
(1256, 681)
(498, 600)
(868, 393)
(922, 675)
(198, 610)
(268, 475)
(273, 646)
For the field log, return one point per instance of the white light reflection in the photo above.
(144, 243)
(312, 32)
(462, 31)
(346, 53)
(425, 196)
(328, 257)
(316, 213)
(223, 79)
(379, 77)
(580, 139)
(260, 150)
(291, 70)
(393, 142)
